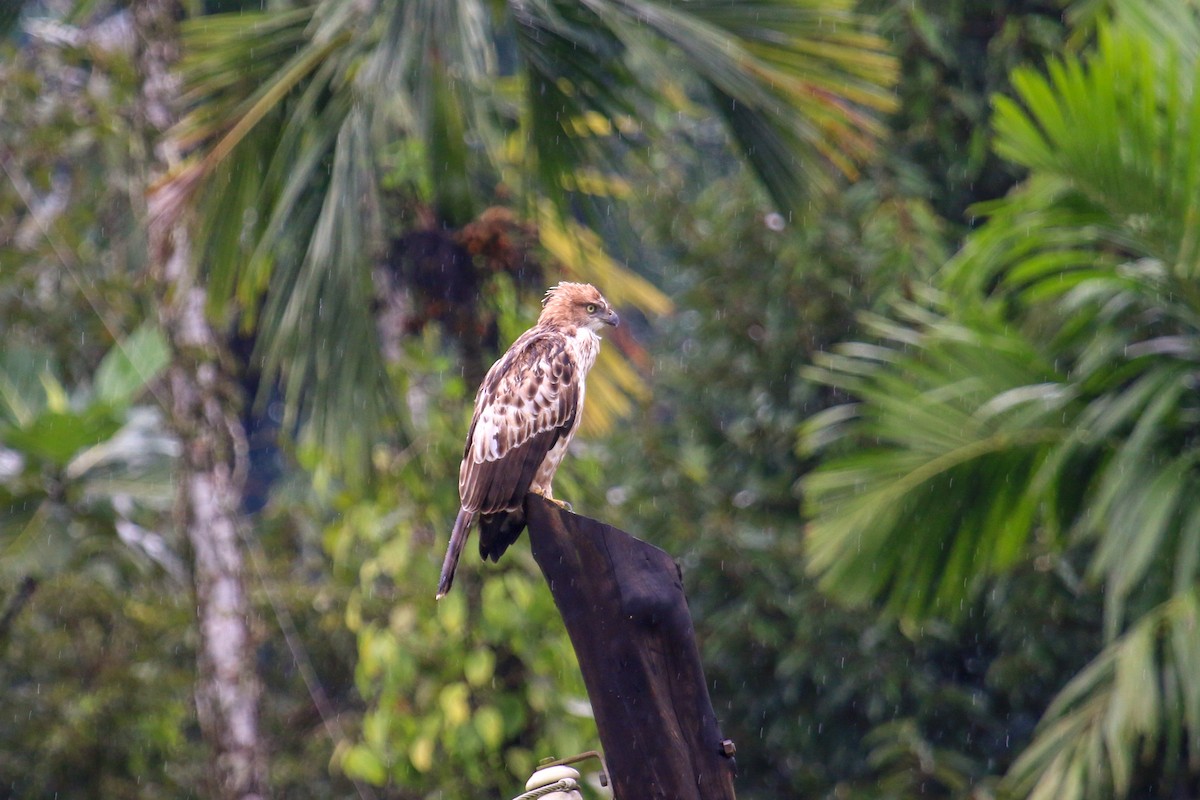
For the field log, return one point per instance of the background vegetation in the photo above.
(907, 387)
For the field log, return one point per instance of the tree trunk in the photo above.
(623, 605)
(203, 400)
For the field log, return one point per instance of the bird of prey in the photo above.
(527, 409)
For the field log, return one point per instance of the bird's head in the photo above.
(577, 305)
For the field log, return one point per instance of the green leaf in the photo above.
(130, 366)
(57, 436)
(490, 725)
(22, 396)
(479, 667)
(361, 763)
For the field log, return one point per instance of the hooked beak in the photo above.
(611, 318)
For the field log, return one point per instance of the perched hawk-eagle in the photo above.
(526, 412)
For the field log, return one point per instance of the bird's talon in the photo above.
(563, 504)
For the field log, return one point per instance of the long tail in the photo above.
(458, 540)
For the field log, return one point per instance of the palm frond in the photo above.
(291, 214)
(1045, 400)
(314, 330)
(1048, 387)
(940, 500)
(1111, 717)
(1120, 125)
(1172, 24)
(797, 84)
(291, 107)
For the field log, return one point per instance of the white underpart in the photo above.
(585, 346)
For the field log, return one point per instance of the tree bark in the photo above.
(623, 604)
(203, 403)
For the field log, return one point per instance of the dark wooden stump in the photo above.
(623, 604)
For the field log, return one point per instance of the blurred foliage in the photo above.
(1082, 283)
(97, 691)
(84, 483)
(96, 632)
(296, 111)
(306, 655)
(954, 56)
(97, 664)
(96, 639)
(81, 455)
(69, 253)
(465, 695)
(1041, 401)
(857, 707)
(94, 665)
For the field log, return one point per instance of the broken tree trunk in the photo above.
(623, 604)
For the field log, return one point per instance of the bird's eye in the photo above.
(591, 308)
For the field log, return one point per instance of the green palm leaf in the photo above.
(295, 110)
(945, 432)
(1116, 711)
(931, 393)
(1045, 399)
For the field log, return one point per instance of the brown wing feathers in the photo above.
(502, 485)
(525, 406)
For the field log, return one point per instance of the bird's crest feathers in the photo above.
(569, 305)
(570, 291)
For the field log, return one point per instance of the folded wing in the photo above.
(527, 404)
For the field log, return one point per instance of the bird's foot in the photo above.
(563, 504)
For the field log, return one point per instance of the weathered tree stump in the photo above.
(623, 604)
